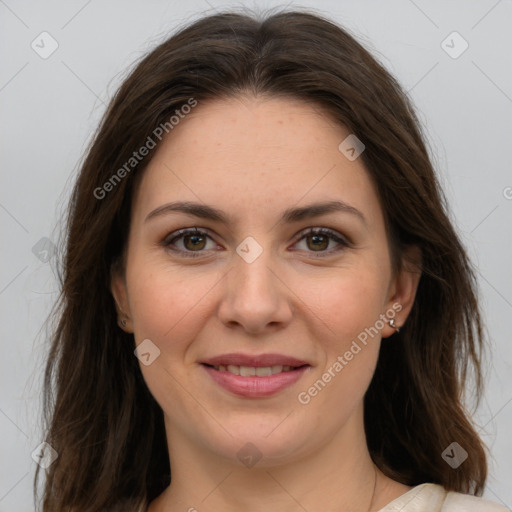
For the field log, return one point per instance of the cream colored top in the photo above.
(434, 498)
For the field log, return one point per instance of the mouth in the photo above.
(255, 381)
(255, 371)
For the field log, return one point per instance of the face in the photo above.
(267, 276)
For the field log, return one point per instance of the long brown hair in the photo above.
(99, 414)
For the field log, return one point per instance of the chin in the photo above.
(266, 444)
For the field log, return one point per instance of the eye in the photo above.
(192, 240)
(317, 240)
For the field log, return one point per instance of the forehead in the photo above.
(255, 155)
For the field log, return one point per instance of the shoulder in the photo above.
(457, 502)
(434, 498)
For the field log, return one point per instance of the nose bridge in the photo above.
(255, 296)
(253, 276)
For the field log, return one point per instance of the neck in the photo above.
(338, 476)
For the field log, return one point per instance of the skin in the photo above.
(254, 157)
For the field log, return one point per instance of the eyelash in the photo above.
(343, 243)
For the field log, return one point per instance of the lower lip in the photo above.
(255, 387)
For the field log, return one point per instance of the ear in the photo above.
(402, 290)
(120, 293)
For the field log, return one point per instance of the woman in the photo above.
(264, 302)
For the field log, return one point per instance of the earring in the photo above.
(392, 324)
(123, 323)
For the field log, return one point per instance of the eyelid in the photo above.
(180, 233)
(341, 240)
(324, 231)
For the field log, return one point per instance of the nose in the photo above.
(255, 298)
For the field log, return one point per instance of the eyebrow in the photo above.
(290, 215)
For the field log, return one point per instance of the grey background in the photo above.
(50, 108)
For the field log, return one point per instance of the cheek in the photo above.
(349, 306)
(169, 309)
(165, 301)
(347, 300)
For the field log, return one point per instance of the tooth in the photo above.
(233, 369)
(250, 371)
(247, 371)
(264, 371)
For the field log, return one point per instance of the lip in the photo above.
(255, 387)
(256, 361)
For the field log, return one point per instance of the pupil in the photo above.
(316, 240)
(196, 239)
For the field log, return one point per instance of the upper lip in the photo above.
(254, 360)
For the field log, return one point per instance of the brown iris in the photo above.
(318, 244)
(197, 240)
